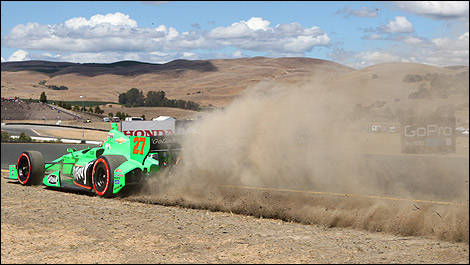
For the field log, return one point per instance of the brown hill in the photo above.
(214, 82)
(383, 89)
(379, 90)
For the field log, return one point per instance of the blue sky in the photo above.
(357, 34)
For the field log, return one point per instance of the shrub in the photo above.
(43, 97)
(24, 138)
(5, 137)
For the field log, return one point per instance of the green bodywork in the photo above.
(135, 149)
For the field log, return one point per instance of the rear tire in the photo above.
(30, 168)
(102, 176)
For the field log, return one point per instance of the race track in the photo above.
(390, 169)
(11, 151)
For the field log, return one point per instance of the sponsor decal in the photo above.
(116, 181)
(79, 172)
(118, 175)
(431, 132)
(120, 140)
(159, 140)
(52, 179)
(118, 170)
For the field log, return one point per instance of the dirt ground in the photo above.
(47, 226)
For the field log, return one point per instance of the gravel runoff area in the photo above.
(40, 225)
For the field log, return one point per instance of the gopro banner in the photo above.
(430, 133)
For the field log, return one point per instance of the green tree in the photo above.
(156, 99)
(120, 115)
(123, 98)
(97, 109)
(110, 114)
(132, 98)
(143, 116)
(43, 97)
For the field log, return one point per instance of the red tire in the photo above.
(30, 168)
(102, 176)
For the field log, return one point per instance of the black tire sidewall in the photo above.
(110, 163)
(108, 190)
(36, 168)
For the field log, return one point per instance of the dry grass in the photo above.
(216, 87)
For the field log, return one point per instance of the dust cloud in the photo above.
(304, 137)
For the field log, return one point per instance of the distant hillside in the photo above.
(126, 68)
(382, 90)
(207, 82)
(378, 91)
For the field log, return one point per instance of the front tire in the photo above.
(30, 168)
(102, 176)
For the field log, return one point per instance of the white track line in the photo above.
(36, 132)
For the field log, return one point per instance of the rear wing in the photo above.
(166, 149)
(141, 146)
(165, 143)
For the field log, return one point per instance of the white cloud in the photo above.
(237, 54)
(257, 23)
(443, 51)
(99, 33)
(435, 9)
(256, 35)
(362, 12)
(399, 25)
(157, 53)
(116, 19)
(412, 40)
(240, 29)
(119, 33)
(464, 37)
(19, 55)
(458, 44)
(373, 36)
(3, 59)
(189, 55)
(369, 58)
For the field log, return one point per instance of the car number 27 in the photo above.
(139, 140)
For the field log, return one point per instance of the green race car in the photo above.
(121, 161)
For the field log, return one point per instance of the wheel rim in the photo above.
(24, 168)
(100, 177)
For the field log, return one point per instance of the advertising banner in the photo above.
(430, 133)
(148, 128)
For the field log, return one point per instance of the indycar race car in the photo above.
(121, 161)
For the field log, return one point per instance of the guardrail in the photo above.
(68, 141)
(54, 125)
